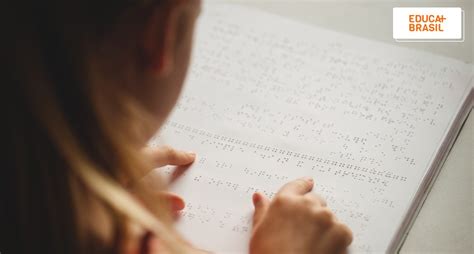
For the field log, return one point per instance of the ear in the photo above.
(160, 38)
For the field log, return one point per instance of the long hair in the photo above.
(66, 158)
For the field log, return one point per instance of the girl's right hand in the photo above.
(296, 221)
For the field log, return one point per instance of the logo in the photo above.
(413, 24)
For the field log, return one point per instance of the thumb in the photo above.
(261, 204)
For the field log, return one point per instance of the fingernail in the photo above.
(309, 179)
(256, 198)
(192, 154)
(177, 205)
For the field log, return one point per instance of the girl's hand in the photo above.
(164, 156)
(296, 221)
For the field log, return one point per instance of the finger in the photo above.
(177, 173)
(337, 239)
(261, 203)
(168, 156)
(324, 218)
(176, 203)
(300, 186)
(316, 198)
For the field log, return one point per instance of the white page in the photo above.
(269, 100)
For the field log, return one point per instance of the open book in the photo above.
(269, 100)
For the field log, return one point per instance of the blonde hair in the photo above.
(65, 147)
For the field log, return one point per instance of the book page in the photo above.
(269, 100)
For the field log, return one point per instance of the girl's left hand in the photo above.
(164, 156)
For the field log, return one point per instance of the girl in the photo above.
(88, 83)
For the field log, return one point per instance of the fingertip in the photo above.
(191, 155)
(257, 199)
(177, 204)
(309, 179)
